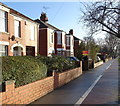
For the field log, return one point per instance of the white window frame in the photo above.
(17, 28)
(4, 50)
(32, 32)
(3, 21)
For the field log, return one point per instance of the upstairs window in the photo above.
(32, 35)
(59, 38)
(3, 21)
(68, 41)
(51, 37)
(17, 28)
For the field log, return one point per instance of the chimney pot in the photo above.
(71, 31)
(43, 17)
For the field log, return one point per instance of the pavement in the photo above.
(97, 86)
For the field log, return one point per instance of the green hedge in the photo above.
(23, 70)
(58, 63)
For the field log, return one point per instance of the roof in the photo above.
(75, 38)
(47, 25)
(12, 11)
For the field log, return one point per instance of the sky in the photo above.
(63, 15)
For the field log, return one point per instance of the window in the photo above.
(3, 21)
(32, 35)
(18, 51)
(59, 40)
(68, 41)
(58, 52)
(17, 28)
(51, 37)
(3, 50)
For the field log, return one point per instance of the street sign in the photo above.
(85, 52)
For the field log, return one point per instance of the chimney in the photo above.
(43, 17)
(71, 32)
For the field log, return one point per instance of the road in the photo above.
(97, 86)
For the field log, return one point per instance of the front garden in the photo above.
(27, 69)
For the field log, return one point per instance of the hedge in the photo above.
(58, 63)
(22, 69)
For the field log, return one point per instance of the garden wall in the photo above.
(98, 64)
(65, 77)
(31, 92)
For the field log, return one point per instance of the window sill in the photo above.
(18, 37)
(59, 43)
(51, 42)
(31, 40)
(5, 33)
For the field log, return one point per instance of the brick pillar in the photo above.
(9, 85)
(81, 64)
(56, 79)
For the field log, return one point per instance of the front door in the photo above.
(30, 51)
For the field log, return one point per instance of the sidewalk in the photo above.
(106, 90)
(107, 87)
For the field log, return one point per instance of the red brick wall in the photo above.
(27, 93)
(68, 47)
(66, 77)
(55, 41)
(76, 44)
(31, 92)
(43, 41)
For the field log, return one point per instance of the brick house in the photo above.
(70, 43)
(18, 33)
(77, 42)
(52, 39)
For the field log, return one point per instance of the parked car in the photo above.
(73, 58)
(98, 59)
(77, 61)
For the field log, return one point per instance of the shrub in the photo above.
(23, 70)
(58, 63)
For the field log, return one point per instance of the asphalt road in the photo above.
(97, 86)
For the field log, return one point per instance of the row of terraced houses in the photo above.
(21, 36)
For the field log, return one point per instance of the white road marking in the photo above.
(90, 88)
(88, 91)
(108, 67)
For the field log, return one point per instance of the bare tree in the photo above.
(104, 16)
(112, 44)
